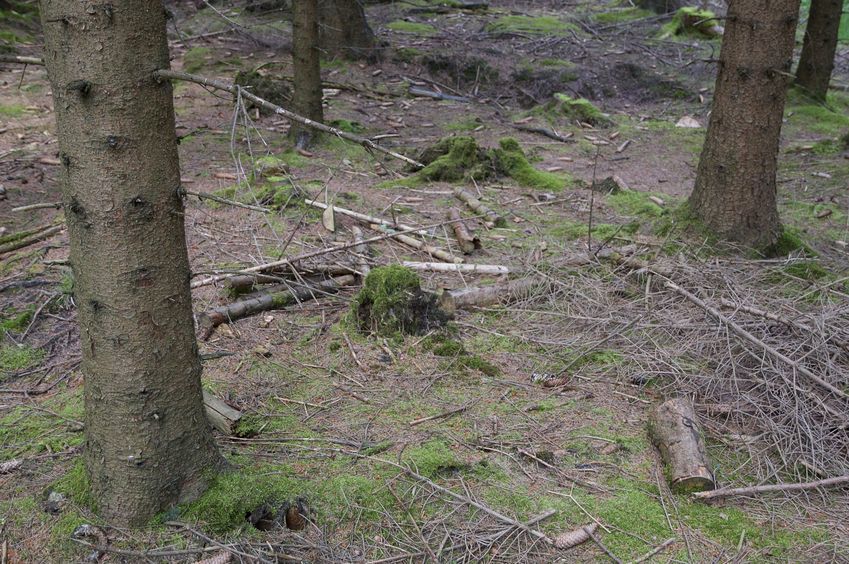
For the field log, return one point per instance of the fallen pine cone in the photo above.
(575, 537)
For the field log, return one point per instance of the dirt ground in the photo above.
(537, 407)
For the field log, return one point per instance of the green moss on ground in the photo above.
(24, 431)
(790, 241)
(807, 270)
(75, 485)
(432, 459)
(14, 358)
(15, 321)
(540, 25)
(831, 118)
(12, 110)
(635, 203)
(196, 58)
(577, 109)
(692, 21)
(622, 15)
(412, 27)
(513, 163)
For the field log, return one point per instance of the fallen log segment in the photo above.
(673, 428)
(468, 243)
(367, 219)
(451, 300)
(208, 321)
(769, 488)
(220, 415)
(416, 244)
(31, 239)
(547, 132)
(244, 283)
(464, 268)
(291, 116)
(476, 206)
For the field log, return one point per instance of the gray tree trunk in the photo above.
(344, 30)
(148, 443)
(735, 191)
(307, 63)
(820, 44)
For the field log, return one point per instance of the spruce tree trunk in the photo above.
(344, 30)
(735, 191)
(148, 443)
(307, 61)
(817, 60)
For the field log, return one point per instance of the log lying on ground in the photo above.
(476, 206)
(367, 219)
(452, 300)
(244, 283)
(21, 242)
(837, 481)
(236, 90)
(467, 242)
(207, 322)
(223, 417)
(455, 267)
(416, 244)
(360, 250)
(675, 431)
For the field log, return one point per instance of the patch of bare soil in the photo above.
(525, 419)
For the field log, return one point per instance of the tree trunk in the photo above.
(305, 54)
(735, 192)
(344, 29)
(817, 60)
(148, 443)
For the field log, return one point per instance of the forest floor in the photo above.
(331, 413)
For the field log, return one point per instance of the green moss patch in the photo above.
(621, 15)
(15, 321)
(392, 303)
(196, 58)
(25, 431)
(433, 459)
(454, 159)
(634, 203)
(806, 269)
(12, 110)
(412, 27)
(540, 25)
(692, 21)
(14, 358)
(789, 241)
(576, 109)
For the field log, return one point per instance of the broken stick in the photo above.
(367, 219)
(476, 206)
(416, 244)
(794, 487)
(675, 431)
(207, 322)
(467, 242)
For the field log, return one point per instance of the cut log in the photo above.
(452, 300)
(467, 242)
(245, 283)
(476, 206)
(368, 219)
(448, 267)
(207, 322)
(416, 244)
(673, 428)
(222, 417)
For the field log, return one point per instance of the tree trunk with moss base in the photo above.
(148, 443)
(344, 30)
(735, 191)
(817, 59)
(305, 55)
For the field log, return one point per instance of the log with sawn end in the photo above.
(467, 242)
(476, 206)
(675, 431)
(416, 244)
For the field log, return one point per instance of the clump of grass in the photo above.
(806, 269)
(635, 203)
(12, 110)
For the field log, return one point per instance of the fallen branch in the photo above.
(244, 283)
(208, 321)
(648, 555)
(41, 206)
(237, 90)
(793, 487)
(367, 219)
(442, 415)
(476, 206)
(424, 93)
(468, 244)
(31, 239)
(15, 59)
(547, 132)
(452, 300)
(271, 266)
(457, 267)
(202, 196)
(416, 244)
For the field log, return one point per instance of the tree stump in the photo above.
(674, 430)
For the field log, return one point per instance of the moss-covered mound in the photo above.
(275, 91)
(392, 302)
(455, 159)
(575, 109)
(692, 21)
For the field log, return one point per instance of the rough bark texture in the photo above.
(675, 431)
(148, 443)
(344, 29)
(305, 54)
(735, 193)
(817, 59)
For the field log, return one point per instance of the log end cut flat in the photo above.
(675, 431)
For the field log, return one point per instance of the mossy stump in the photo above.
(392, 303)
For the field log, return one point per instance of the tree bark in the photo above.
(148, 443)
(820, 44)
(305, 54)
(735, 191)
(344, 30)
